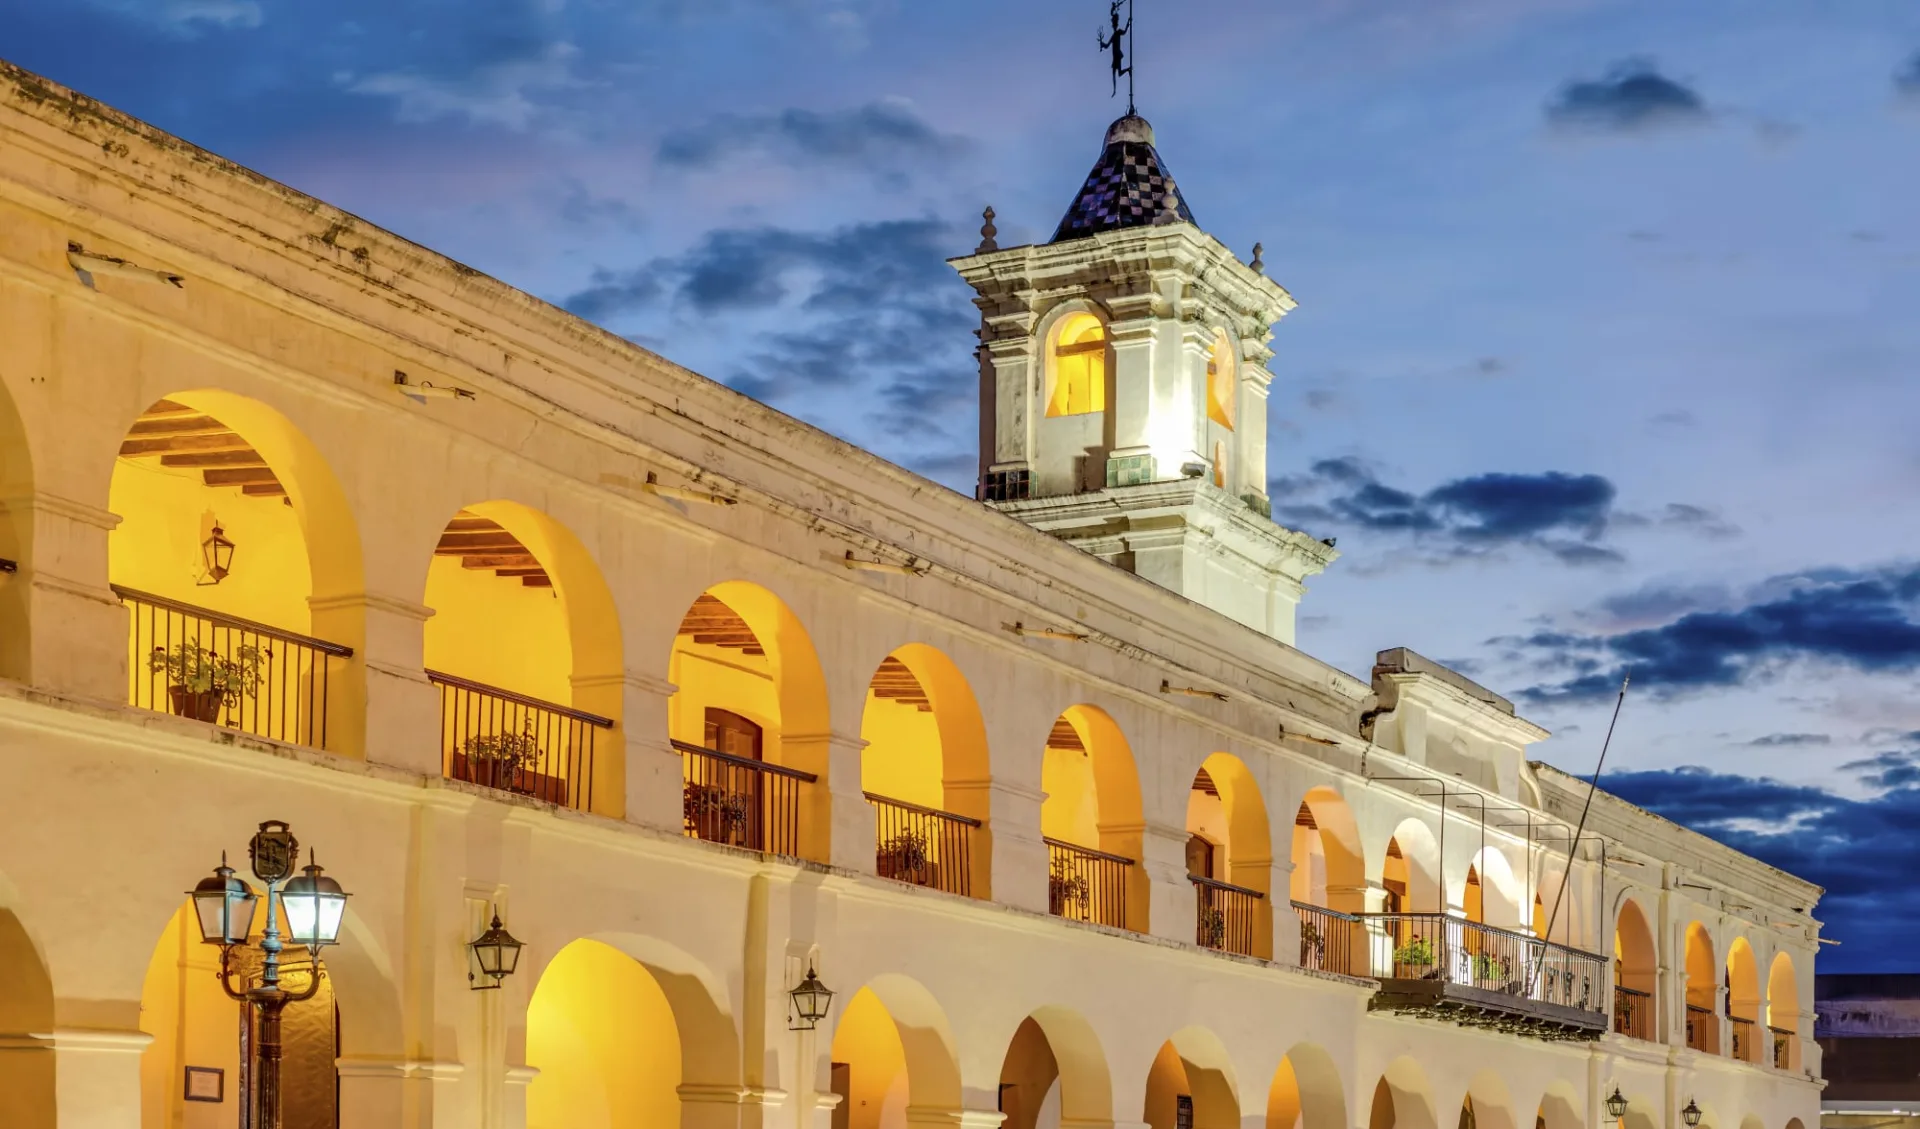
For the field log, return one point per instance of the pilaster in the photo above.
(87, 1078)
(381, 707)
(61, 626)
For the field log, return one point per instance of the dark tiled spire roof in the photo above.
(1128, 187)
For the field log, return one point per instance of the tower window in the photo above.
(1220, 382)
(1077, 372)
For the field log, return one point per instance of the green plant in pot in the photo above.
(906, 856)
(201, 682)
(1417, 953)
(715, 813)
(1065, 888)
(1487, 967)
(498, 759)
(1311, 942)
(1213, 928)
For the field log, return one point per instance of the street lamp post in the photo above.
(313, 904)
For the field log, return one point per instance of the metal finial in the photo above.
(1258, 266)
(987, 232)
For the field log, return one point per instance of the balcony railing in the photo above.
(922, 846)
(1742, 1033)
(1633, 1013)
(741, 802)
(1700, 1027)
(1224, 915)
(1331, 941)
(499, 739)
(1087, 885)
(1452, 950)
(1783, 1047)
(234, 672)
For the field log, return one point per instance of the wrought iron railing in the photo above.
(1331, 941)
(1633, 1013)
(515, 743)
(1701, 1022)
(234, 672)
(1783, 1047)
(1438, 946)
(1087, 885)
(740, 802)
(1741, 1033)
(922, 846)
(1224, 915)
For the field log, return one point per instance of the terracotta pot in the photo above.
(202, 706)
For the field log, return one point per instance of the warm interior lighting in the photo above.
(315, 904)
(1220, 374)
(1077, 372)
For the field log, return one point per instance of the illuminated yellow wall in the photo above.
(724, 679)
(902, 757)
(1166, 1084)
(165, 513)
(1221, 377)
(1283, 1098)
(869, 1043)
(193, 1023)
(1309, 881)
(1077, 382)
(603, 1037)
(1702, 984)
(1207, 818)
(1030, 1081)
(495, 630)
(1071, 811)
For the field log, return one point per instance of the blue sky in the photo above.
(1604, 361)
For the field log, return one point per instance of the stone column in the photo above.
(513, 1095)
(380, 706)
(1170, 894)
(652, 775)
(76, 1078)
(955, 1118)
(1010, 855)
(73, 627)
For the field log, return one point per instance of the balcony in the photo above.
(1742, 1033)
(922, 846)
(1331, 941)
(1701, 1022)
(1224, 915)
(741, 802)
(514, 743)
(1784, 1046)
(233, 672)
(1633, 1013)
(1444, 967)
(1087, 885)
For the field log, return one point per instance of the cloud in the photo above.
(886, 133)
(497, 93)
(1887, 770)
(1632, 97)
(1854, 848)
(1790, 740)
(187, 17)
(1906, 81)
(1861, 620)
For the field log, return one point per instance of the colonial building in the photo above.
(504, 615)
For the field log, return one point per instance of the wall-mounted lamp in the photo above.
(419, 392)
(1691, 1114)
(863, 565)
(218, 554)
(811, 999)
(1026, 632)
(659, 489)
(9, 566)
(86, 265)
(1191, 691)
(497, 952)
(1616, 1105)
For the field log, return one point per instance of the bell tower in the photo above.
(1123, 391)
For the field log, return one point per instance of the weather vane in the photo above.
(1118, 40)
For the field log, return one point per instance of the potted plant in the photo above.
(1416, 953)
(1312, 944)
(1487, 967)
(715, 813)
(202, 682)
(905, 856)
(498, 760)
(1213, 928)
(1065, 888)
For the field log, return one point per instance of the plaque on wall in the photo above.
(206, 1084)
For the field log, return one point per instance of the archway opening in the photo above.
(524, 648)
(925, 772)
(1229, 858)
(603, 1035)
(1743, 1000)
(1191, 1088)
(749, 718)
(1402, 1099)
(1487, 1105)
(1306, 1092)
(1703, 988)
(1559, 1108)
(1222, 381)
(1329, 873)
(1783, 1013)
(1091, 821)
(1077, 366)
(27, 1095)
(195, 1070)
(892, 1049)
(1635, 965)
(233, 550)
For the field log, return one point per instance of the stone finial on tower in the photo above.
(987, 233)
(1258, 266)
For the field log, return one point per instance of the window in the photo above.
(1220, 382)
(1077, 371)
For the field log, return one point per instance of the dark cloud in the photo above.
(1887, 770)
(1854, 848)
(1506, 507)
(878, 133)
(1857, 620)
(1790, 740)
(1906, 81)
(1632, 97)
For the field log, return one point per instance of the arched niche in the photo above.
(1229, 858)
(1635, 973)
(749, 688)
(1329, 866)
(1402, 1099)
(1702, 989)
(925, 770)
(1306, 1092)
(1783, 1013)
(1092, 822)
(893, 1049)
(1191, 1083)
(1055, 1073)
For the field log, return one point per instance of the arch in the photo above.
(524, 645)
(16, 541)
(1076, 367)
(1559, 1108)
(1192, 1069)
(1223, 373)
(193, 1022)
(27, 1095)
(1055, 1072)
(897, 1050)
(1487, 1104)
(1743, 1000)
(1093, 805)
(926, 747)
(1329, 868)
(202, 460)
(1783, 1012)
(1702, 989)
(1230, 858)
(1635, 973)
(1410, 869)
(1402, 1099)
(1492, 892)
(1306, 1092)
(1752, 1121)
(746, 674)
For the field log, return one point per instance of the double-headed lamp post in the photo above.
(313, 904)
